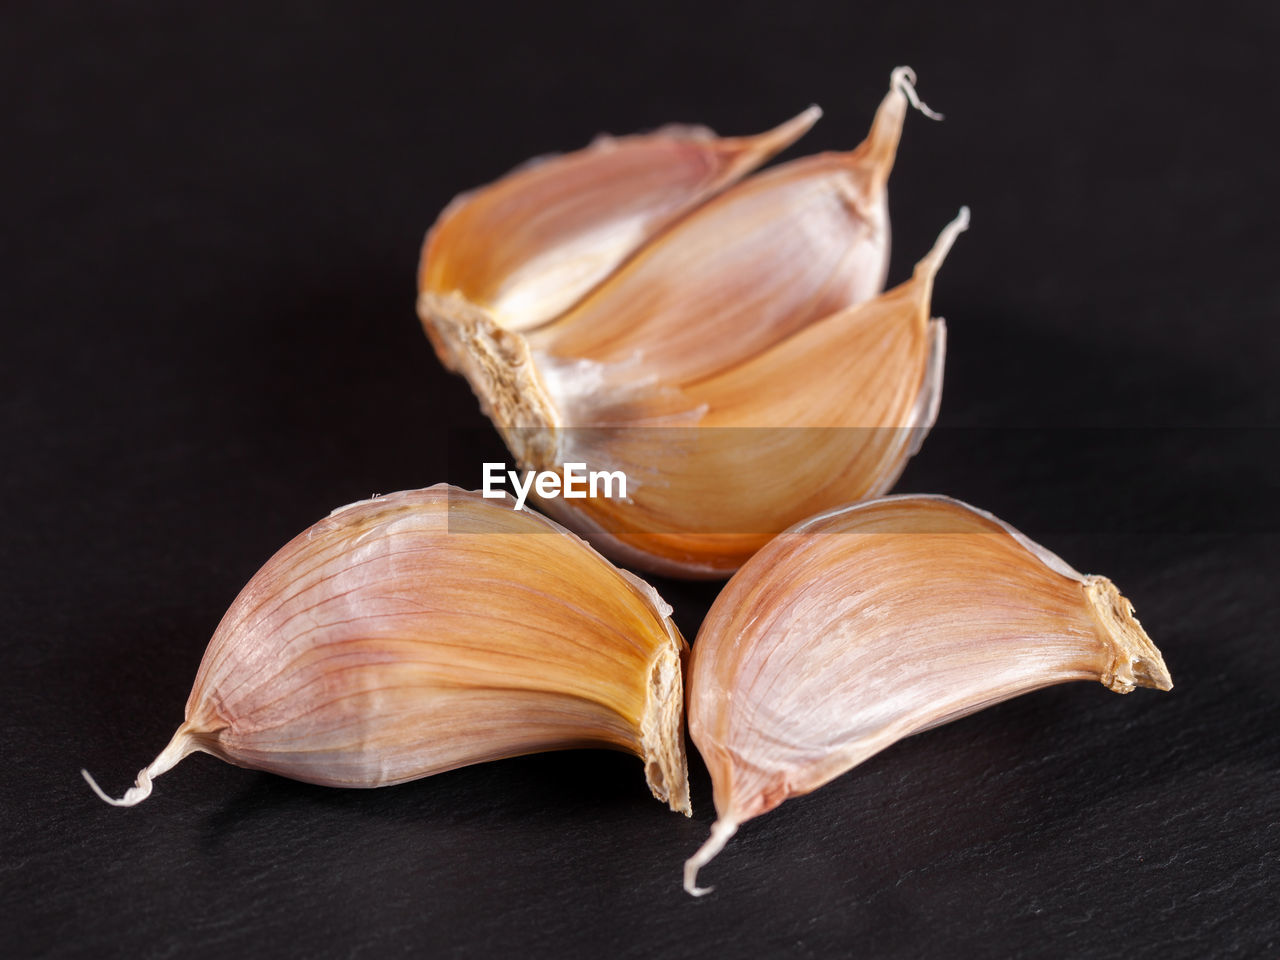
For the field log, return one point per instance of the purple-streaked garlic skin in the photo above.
(430, 629)
(871, 622)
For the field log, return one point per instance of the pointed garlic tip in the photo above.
(878, 151)
(721, 831)
(946, 240)
(789, 131)
(1137, 662)
(181, 745)
(133, 796)
(903, 79)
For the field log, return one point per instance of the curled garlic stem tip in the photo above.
(181, 745)
(946, 239)
(134, 795)
(721, 831)
(904, 79)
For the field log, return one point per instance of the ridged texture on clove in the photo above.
(427, 630)
(871, 622)
(753, 309)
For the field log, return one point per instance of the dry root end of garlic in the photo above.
(871, 622)
(601, 302)
(430, 629)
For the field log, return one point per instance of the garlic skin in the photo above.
(871, 622)
(529, 246)
(789, 426)
(756, 308)
(430, 629)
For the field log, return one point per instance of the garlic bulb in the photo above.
(426, 630)
(591, 335)
(871, 622)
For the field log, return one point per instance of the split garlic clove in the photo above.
(527, 247)
(871, 622)
(430, 629)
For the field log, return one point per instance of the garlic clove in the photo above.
(751, 266)
(828, 416)
(871, 622)
(887, 346)
(744, 314)
(426, 630)
(530, 245)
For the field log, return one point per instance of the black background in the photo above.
(212, 216)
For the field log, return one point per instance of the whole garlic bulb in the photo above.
(630, 308)
(430, 629)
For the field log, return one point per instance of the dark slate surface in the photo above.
(211, 224)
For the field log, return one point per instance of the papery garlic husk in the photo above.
(430, 629)
(756, 309)
(871, 622)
